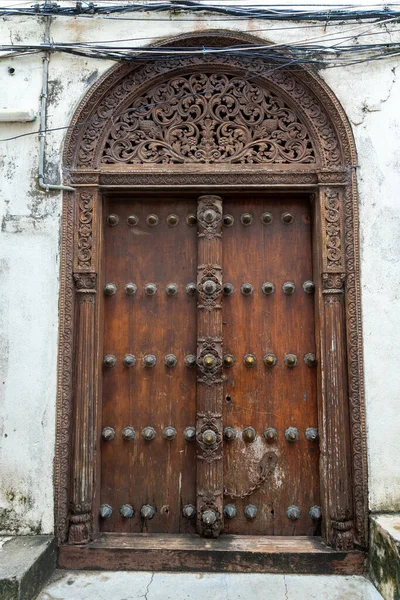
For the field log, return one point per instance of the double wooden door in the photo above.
(209, 411)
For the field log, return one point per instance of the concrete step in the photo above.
(128, 585)
(26, 563)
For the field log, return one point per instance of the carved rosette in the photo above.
(213, 502)
(212, 273)
(209, 422)
(209, 375)
(207, 228)
(86, 283)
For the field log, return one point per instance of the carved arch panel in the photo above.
(248, 124)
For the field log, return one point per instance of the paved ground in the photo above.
(123, 585)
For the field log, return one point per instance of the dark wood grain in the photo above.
(158, 472)
(227, 553)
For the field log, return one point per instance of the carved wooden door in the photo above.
(209, 414)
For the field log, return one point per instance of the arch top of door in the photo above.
(218, 111)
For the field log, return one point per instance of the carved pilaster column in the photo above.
(209, 362)
(83, 422)
(334, 426)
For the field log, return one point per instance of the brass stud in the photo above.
(209, 361)
(126, 511)
(287, 218)
(209, 216)
(190, 360)
(229, 361)
(315, 512)
(105, 511)
(130, 289)
(290, 360)
(132, 220)
(209, 517)
(230, 511)
(147, 512)
(170, 361)
(312, 434)
(309, 287)
(128, 433)
(209, 437)
(229, 434)
(209, 287)
(228, 220)
(271, 434)
(249, 434)
(291, 434)
(149, 360)
(266, 218)
(250, 360)
(108, 434)
(189, 434)
(149, 433)
(110, 289)
(169, 433)
(109, 360)
(288, 288)
(191, 289)
(112, 220)
(268, 288)
(247, 289)
(172, 289)
(150, 289)
(250, 511)
(228, 289)
(129, 360)
(293, 512)
(189, 511)
(270, 360)
(246, 219)
(152, 220)
(191, 220)
(172, 220)
(310, 359)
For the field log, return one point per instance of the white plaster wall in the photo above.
(30, 245)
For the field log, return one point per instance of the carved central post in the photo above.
(209, 362)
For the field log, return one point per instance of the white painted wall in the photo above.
(30, 246)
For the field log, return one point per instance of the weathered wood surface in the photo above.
(227, 553)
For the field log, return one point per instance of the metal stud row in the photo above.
(249, 434)
(127, 511)
(247, 289)
(148, 433)
(171, 360)
(152, 220)
(247, 219)
(189, 512)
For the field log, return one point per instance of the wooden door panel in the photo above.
(158, 472)
(278, 396)
(162, 473)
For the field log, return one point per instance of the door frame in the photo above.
(343, 464)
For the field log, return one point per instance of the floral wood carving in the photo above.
(211, 502)
(209, 217)
(209, 274)
(210, 375)
(85, 231)
(333, 251)
(208, 118)
(212, 422)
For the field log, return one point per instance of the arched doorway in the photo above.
(257, 165)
